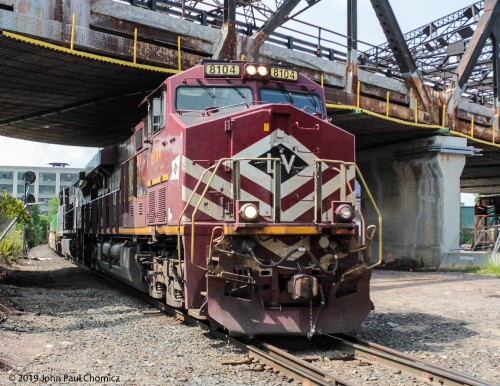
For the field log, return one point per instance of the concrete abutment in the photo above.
(417, 189)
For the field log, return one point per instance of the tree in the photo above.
(10, 208)
(53, 204)
(36, 229)
(11, 245)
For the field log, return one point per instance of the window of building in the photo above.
(6, 187)
(47, 189)
(47, 177)
(68, 178)
(5, 175)
(20, 189)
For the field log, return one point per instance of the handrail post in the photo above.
(179, 63)
(277, 190)
(387, 98)
(416, 107)
(318, 183)
(358, 94)
(135, 45)
(72, 41)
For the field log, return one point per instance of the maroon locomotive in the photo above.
(234, 200)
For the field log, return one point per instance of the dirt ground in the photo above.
(57, 320)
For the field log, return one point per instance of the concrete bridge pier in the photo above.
(417, 188)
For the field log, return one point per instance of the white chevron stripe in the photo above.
(207, 207)
(276, 138)
(265, 181)
(220, 184)
(307, 203)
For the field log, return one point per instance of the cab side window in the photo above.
(158, 112)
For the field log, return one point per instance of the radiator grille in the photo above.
(151, 207)
(161, 210)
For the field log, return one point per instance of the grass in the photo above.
(488, 269)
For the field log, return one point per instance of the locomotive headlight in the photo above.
(249, 211)
(262, 70)
(251, 70)
(345, 212)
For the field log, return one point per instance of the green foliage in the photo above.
(489, 269)
(53, 204)
(466, 236)
(10, 208)
(11, 246)
(36, 229)
(493, 269)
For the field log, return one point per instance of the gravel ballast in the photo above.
(60, 324)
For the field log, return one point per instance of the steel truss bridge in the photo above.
(73, 72)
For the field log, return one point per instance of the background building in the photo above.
(49, 181)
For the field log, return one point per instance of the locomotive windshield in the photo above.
(199, 98)
(302, 100)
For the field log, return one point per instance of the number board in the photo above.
(222, 69)
(284, 74)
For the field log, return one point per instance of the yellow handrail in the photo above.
(215, 168)
(358, 173)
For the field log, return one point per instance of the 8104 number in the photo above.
(284, 73)
(222, 69)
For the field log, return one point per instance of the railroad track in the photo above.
(307, 373)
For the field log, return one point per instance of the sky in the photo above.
(329, 14)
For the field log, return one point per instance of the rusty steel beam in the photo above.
(486, 28)
(400, 49)
(260, 36)
(225, 49)
(495, 39)
(352, 45)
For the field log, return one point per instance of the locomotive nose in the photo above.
(303, 287)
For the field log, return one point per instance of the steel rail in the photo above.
(291, 366)
(426, 371)
(280, 360)
(307, 373)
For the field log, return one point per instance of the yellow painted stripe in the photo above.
(155, 181)
(381, 116)
(164, 178)
(88, 55)
(162, 229)
(137, 231)
(273, 230)
(475, 139)
(349, 107)
(169, 229)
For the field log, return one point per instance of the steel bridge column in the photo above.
(400, 49)
(261, 35)
(226, 47)
(495, 39)
(417, 188)
(486, 28)
(352, 45)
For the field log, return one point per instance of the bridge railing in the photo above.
(324, 43)
(297, 35)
